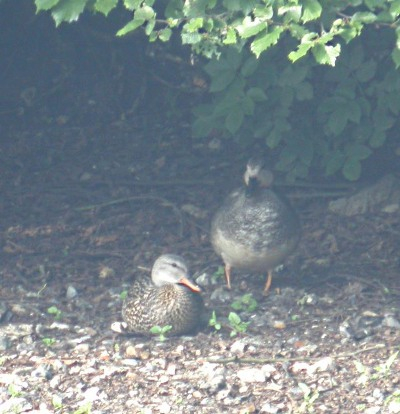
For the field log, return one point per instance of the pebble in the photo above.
(71, 292)
(220, 294)
(251, 375)
(164, 408)
(238, 346)
(394, 407)
(391, 322)
(269, 409)
(204, 279)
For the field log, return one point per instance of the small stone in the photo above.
(391, 322)
(203, 279)
(279, 324)
(238, 346)
(220, 294)
(164, 408)
(197, 394)
(82, 348)
(394, 407)
(372, 410)
(251, 375)
(324, 364)
(71, 292)
(106, 272)
(268, 370)
(250, 408)
(269, 409)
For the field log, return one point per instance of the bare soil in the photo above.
(90, 196)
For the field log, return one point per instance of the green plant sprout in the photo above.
(123, 294)
(85, 409)
(49, 341)
(309, 397)
(378, 372)
(237, 325)
(246, 303)
(53, 310)
(218, 274)
(56, 401)
(14, 391)
(161, 331)
(213, 322)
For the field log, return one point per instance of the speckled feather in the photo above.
(148, 305)
(255, 228)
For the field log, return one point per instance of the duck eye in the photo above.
(174, 265)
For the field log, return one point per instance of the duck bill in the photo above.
(192, 286)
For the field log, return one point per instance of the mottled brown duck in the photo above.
(168, 298)
(255, 229)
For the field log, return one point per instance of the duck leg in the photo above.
(228, 275)
(268, 283)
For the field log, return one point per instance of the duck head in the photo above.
(172, 269)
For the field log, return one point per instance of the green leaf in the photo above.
(373, 4)
(337, 120)
(357, 151)
(249, 67)
(304, 91)
(363, 17)
(377, 139)
(250, 27)
(301, 51)
(149, 28)
(68, 11)
(264, 12)
(352, 169)
(191, 38)
(292, 12)
(326, 55)
(132, 4)
(145, 13)
(257, 94)
(395, 8)
(367, 71)
(234, 120)
(230, 37)
(45, 4)
(396, 57)
(263, 42)
(311, 10)
(232, 5)
(193, 25)
(202, 127)
(334, 163)
(165, 34)
(234, 318)
(130, 26)
(105, 6)
(220, 81)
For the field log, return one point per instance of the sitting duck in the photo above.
(169, 298)
(255, 229)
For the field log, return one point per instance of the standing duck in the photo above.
(169, 298)
(255, 228)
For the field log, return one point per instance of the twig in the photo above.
(162, 200)
(274, 360)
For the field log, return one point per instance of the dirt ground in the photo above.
(91, 196)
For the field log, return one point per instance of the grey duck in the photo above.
(169, 298)
(255, 229)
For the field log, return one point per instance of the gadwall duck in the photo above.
(255, 228)
(169, 298)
